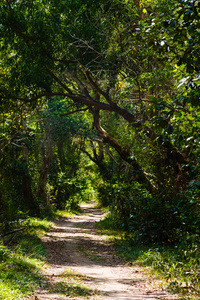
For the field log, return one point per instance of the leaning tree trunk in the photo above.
(46, 156)
(124, 154)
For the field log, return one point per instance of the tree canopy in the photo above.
(110, 88)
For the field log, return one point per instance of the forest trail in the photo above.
(82, 264)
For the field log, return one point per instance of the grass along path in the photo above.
(82, 264)
(22, 259)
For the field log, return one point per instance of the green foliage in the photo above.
(184, 22)
(182, 32)
(178, 264)
(163, 218)
(68, 192)
(22, 260)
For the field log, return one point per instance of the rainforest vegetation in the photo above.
(101, 99)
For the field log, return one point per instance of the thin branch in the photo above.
(111, 156)
(80, 84)
(73, 85)
(105, 95)
(14, 144)
(89, 155)
(12, 232)
(59, 81)
(73, 112)
(137, 100)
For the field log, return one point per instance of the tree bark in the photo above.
(124, 154)
(27, 186)
(46, 154)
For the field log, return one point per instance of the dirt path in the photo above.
(81, 263)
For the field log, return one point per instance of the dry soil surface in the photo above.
(77, 252)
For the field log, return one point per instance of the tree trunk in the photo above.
(124, 154)
(46, 155)
(28, 197)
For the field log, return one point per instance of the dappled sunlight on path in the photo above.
(77, 252)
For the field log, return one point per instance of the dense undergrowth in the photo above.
(160, 231)
(178, 265)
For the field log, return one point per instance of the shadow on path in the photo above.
(74, 244)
